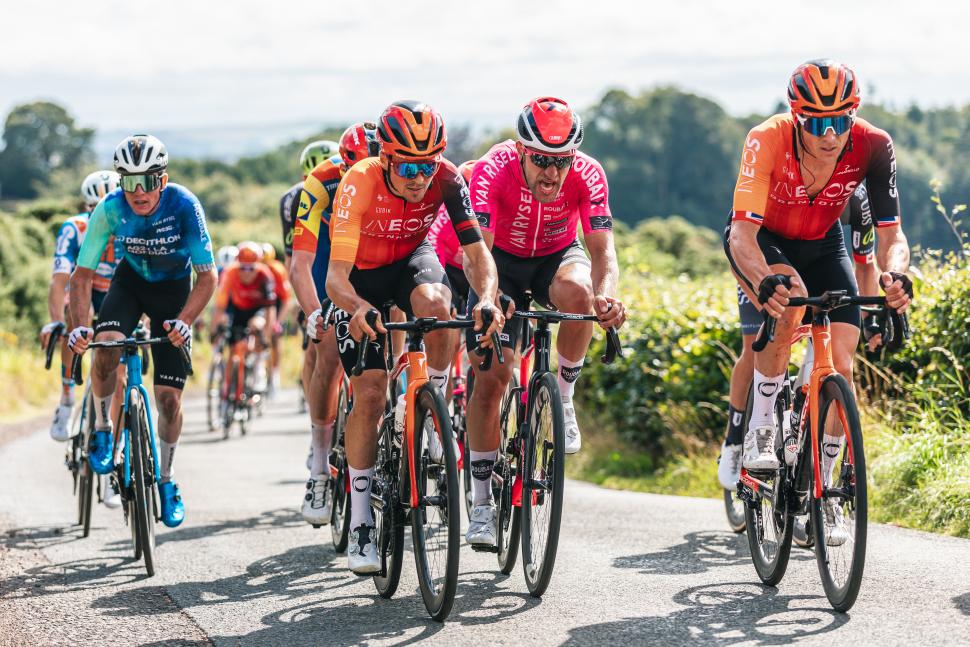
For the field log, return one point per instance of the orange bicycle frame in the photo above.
(822, 368)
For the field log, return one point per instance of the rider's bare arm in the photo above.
(55, 296)
(202, 291)
(301, 277)
(602, 255)
(80, 308)
(480, 268)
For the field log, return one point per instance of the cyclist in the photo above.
(69, 238)
(282, 283)
(530, 195)
(858, 216)
(311, 255)
(379, 252)
(225, 257)
(162, 228)
(798, 170)
(311, 155)
(443, 238)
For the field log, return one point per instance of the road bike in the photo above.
(823, 404)
(138, 471)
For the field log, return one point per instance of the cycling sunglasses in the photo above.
(147, 181)
(545, 161)
(410, 170)
(818, 126)
(248, 267)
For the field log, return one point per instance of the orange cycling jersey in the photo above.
(771, 192)
(372, 227)
(259, 292)
(279, 279)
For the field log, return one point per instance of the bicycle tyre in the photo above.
(339, 497)
(462, 433)
(539, 547)
(438, 591)
(390, 521)
(508, 517)
(734, 510)
(86, 476)
(229, 415)
(143, 478)
(835, 390)
(217, 373)
(772, 564)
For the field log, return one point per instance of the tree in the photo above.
(39, 138)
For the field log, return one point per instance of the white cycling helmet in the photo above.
(97, 185)
(140, 154)
(226, 255)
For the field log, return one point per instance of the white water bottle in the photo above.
(789, 439)
(399, 412)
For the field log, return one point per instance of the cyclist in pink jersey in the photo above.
(530, 196)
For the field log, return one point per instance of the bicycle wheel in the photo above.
(839, 518)
(767, 522)
(229, 413)
(339, 497)
(436, 523)
(734, 508)
(543, 480)
(86, 476)
(461, 431)
(508, 517)
(214, 391)
(390, 519)
(143, 478)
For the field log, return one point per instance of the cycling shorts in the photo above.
(517, 275)
(130, 296)
(239, 319)
(389, 283)
(822, 264)
(97, 299)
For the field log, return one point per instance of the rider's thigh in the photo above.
(572, 288)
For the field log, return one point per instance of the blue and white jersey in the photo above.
(161, 247)
(69, 240)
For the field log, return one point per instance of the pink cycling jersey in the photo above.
(442, 235)
(523, 226)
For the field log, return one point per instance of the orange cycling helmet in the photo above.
(465, 170)
(823, 87)
(549, 125)
(247, 255)
(359, 142)
(412, 129)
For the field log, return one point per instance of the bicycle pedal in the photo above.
(480, 548)
(316, 525)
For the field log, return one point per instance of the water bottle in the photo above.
(790, 439)
(399, 412)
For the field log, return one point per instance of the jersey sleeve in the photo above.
(754, 177)
(457, 201)
(594, 207)
(66, 249)
(881, 180)
(484, 194)
(269, 286)
(197, 234)
(314, 201)
(353, 197)
(99, 232)
(860, 224)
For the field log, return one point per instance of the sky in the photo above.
(205, 68)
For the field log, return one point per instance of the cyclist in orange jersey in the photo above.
(379, 252)
(246, 287)
(797, 173)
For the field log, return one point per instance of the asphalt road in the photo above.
(244, 569)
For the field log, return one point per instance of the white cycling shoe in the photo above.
(574, 440)
(112, 494)
(729, 466)
(316, 501)
(362, 556)
(759, 449)
(62, 419)
(481, 526)
(435, 451)
(836, 533)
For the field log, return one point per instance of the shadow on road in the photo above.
(724, 614)
(701, 551)
(40, 537)
(271, 519)
(962, 603)
(77, 575)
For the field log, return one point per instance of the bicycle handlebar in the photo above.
(52, 344)
(184, 354)
(614, 348)
(827, 302)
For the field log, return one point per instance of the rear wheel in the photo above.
(435, 524)
(389, 521)
(143, 473)
(543, 482)
(839, 518)
(508, 517)
(734, 507)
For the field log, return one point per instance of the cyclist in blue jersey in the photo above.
(69, 239)
(162, 228)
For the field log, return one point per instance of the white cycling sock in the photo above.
(320, 438)
(831, 448)
(102, 412)
(360, 482)
(167, 451)
(439, 378)
(765, 393)
(567, 376)
(481, 468)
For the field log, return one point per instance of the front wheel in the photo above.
(214, 391)
(839, 518)
(734, 508)
(143, 473)
(435, 523)
(389, 519)
(543, 480)
(508, 517)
